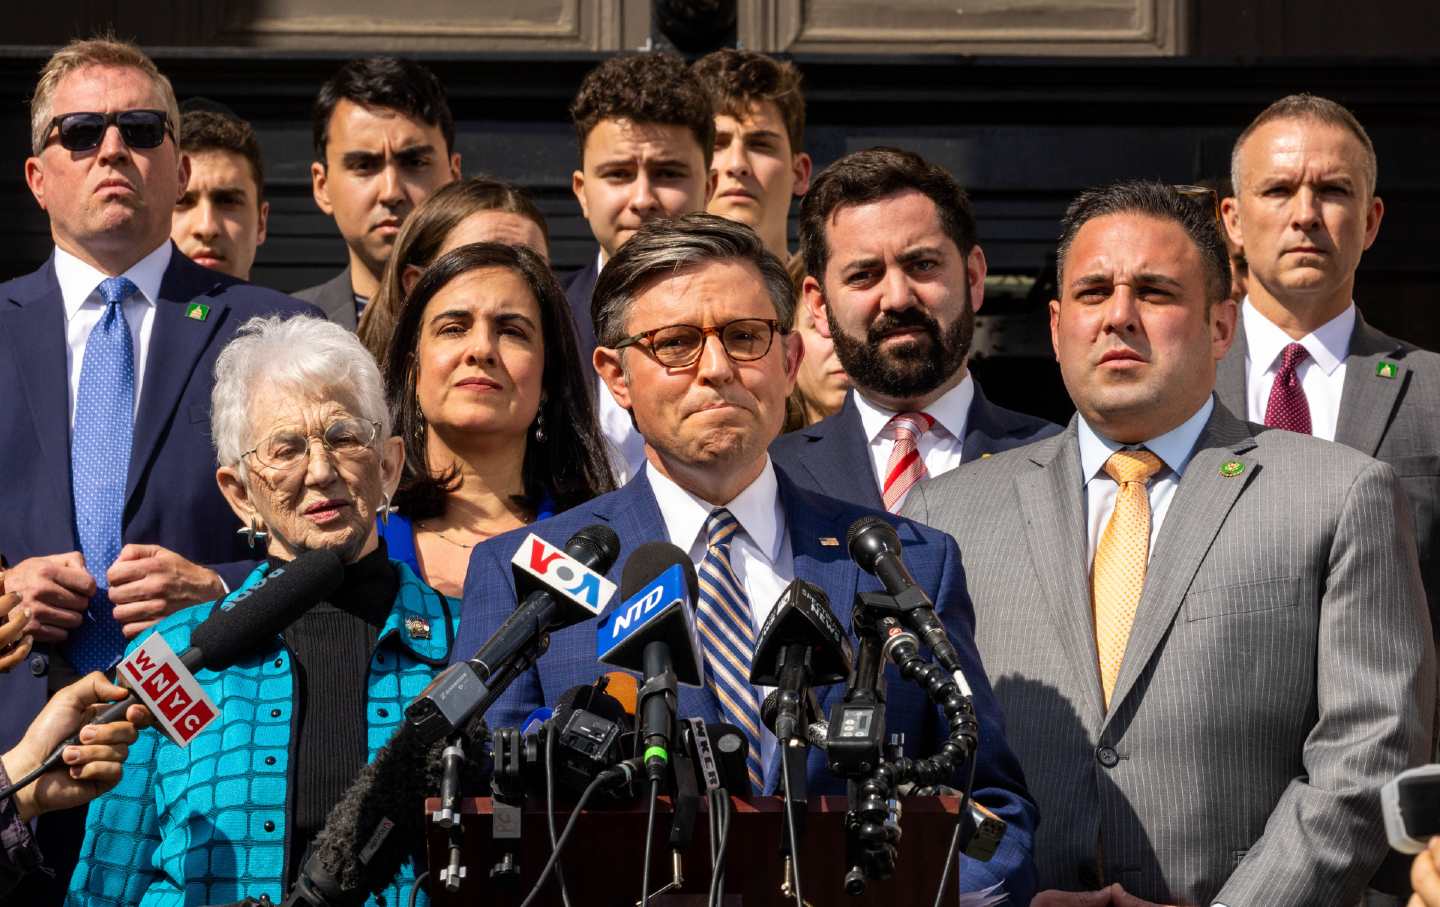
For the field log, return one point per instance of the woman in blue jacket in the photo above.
(307, 460)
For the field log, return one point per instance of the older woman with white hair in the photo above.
(302, 434)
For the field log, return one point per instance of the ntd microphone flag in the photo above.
(657, 612)
(540, 565)
(160, 679)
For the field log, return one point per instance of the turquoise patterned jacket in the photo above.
(207, 824)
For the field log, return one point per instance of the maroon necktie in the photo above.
(1288, 408)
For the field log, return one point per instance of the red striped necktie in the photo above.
(906, 466)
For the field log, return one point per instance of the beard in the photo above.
(910, 369)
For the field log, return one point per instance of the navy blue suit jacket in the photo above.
(579, 287)
(171, 495)
(832, 457)
(933, 559)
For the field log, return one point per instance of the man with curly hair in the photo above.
(646, 130)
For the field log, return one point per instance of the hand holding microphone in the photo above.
(93, 761)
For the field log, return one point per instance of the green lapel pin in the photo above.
(197, 311)
(1386, 369)
(1231, 468)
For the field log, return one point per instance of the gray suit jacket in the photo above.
(335, 297)
(1393, 419)
(1278, 672)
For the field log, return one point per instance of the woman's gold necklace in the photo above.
(441, 536)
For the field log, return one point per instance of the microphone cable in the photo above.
(790, 826)
(550, 735)
(720, 827)
(649, 839)
(570, 825)
(415, 890)
(961, 817)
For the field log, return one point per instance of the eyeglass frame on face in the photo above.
(646, 340)
(288, 469)
(109, 119)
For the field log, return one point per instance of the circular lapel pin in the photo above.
(1231, 468)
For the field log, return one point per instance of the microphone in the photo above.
(875, 548)
(801, 645)
(378, 822)
(275, 602)
(230, 633)
(652, 633)
(557, 589)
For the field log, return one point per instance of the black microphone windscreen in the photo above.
(770, 710)
(596, 702)
(249, 619)
(596, 546)
(868, 538)
(649, 561)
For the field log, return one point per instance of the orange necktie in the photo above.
(1118, 576)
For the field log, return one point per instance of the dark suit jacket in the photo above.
(634, 515)
(832, 456)
(578, 288)
(1394, 419)
(335, 297)
(172, 498)
(1278, 672)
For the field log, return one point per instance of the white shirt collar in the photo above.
(756, 508)
(1328, 344)
(1174, 448)
(950, 412)
(78, 280)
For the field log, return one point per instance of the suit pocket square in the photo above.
(1243, 598)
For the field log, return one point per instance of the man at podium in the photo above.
(692, 318)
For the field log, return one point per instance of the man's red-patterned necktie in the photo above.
(906, 466)
(1288, 408)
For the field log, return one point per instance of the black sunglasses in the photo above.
(139, 128)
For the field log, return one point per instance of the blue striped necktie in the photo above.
(99, 464)
(727, 637)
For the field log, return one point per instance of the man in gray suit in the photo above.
(1210, 725)
(1304, 212)
(384, 140)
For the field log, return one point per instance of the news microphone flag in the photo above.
(656, 612)
(555, 571)
(160, 679)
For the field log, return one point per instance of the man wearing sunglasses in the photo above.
(110, 515)
(692, 317)
(894, 276)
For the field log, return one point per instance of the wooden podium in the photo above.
(602, 860)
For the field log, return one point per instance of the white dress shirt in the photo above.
(79, 283)
(1322, 374)
(939, 447)
(760, 551)
(1174, 448)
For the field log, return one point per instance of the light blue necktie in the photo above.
(99, 464)
(727, 637)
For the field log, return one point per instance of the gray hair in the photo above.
(305, 354)
(1317, 110)
(664, 247)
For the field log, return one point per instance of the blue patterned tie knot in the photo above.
(727, 637)
(99, 465)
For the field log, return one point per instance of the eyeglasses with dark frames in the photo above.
(680, 345)
(84, 130)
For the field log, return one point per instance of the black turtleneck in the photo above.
(331, 646)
